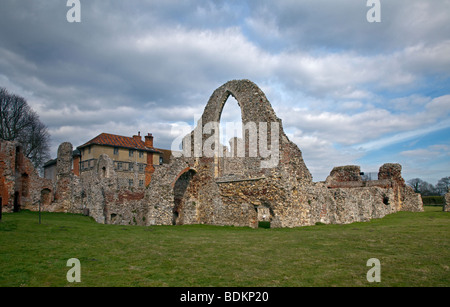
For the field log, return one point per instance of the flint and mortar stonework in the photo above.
(225, 189)
(446, 207)
(20, 184)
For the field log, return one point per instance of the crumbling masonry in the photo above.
(221, 188)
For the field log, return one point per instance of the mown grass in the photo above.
(413, 248)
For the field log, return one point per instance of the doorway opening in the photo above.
(16, 207)
(179, 196)
(264, 214)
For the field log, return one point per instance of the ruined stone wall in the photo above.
(361, 204)
(20, 184)
(160, 194)
(65, 183)
(7, 175)
(345, 177)
(106, 200)
(238, 191)
(446, 207)
(232, 189)
(256, 112)
(270, 183)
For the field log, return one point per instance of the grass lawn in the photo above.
(413, 249)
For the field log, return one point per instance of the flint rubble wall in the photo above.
(221, 190)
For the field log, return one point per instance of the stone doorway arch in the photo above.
(184, 198)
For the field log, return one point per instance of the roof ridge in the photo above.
(110, 139)
(125, 136)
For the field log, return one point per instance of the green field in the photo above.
(413, 249)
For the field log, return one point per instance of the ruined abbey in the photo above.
(204, 183)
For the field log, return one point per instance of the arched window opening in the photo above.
(230, 123)
(46, 197)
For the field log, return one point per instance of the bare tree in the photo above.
(18, 122)
(443, 185)
(415, 184)
(427, 189)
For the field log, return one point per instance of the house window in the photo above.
(119, 165)
(116, 150)
(141, 183)
(141, 167)
(160, 160)
(141, 154)
(131, 166)
(130, 182)
(131, 152)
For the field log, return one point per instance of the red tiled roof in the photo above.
(118, 141)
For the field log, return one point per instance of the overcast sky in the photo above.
(348, 91)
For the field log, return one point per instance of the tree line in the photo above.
(427, 189)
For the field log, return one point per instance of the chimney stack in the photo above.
(149, 140)
(138, 137)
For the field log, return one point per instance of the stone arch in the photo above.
(251, 99)
(187, 169)
(184, 207)
(176, 185)
(184, 198)
(222, 101)
(254, 108)
(257, 114)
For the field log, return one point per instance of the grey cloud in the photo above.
(342, 25)
(145, 64)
